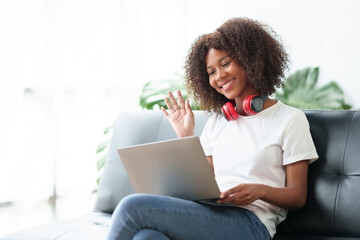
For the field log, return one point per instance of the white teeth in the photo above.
(227, 84)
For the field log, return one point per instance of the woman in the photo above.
(259, 148)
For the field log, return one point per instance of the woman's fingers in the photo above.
(181, 100)
(231, 195)
(242, 194)
(168, 104)
(173, 101)
(172, 104)
(236, 199)
(179, 114)
(187, 106)
(165, 112)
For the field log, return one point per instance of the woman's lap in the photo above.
(181, 219)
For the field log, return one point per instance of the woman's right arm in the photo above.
(181, 118)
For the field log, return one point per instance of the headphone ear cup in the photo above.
(229, 112)
(247, 105)
(253, 104)
(257, 104)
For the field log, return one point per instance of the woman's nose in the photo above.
(220, 75)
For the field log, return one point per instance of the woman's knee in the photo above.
(134, 203)
(131, 201)
(150, 234)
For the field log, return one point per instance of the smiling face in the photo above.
(226, 76)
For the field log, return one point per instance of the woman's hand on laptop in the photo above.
(242, 194)
(181, 118)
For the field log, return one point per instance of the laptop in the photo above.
(176, 168)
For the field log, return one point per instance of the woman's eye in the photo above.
(211, 73)
(226, 64)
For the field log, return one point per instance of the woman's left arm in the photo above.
(292, 196)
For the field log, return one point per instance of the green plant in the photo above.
(300, 91)
(100, 150)
(153, 93)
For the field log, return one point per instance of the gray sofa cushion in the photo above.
(90, 227)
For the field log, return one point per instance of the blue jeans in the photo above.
(145, 216)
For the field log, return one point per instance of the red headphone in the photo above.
(252, 105)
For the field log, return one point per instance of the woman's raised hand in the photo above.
(181, 118)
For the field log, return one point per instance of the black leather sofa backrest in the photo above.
(333, 205)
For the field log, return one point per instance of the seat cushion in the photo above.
(93, 226)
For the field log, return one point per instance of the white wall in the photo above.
(85, 60)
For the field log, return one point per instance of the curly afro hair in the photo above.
(253, 45)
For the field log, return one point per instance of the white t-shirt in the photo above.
(255, 149)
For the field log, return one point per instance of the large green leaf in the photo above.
(300, 91)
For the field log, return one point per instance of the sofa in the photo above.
(332, 210)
